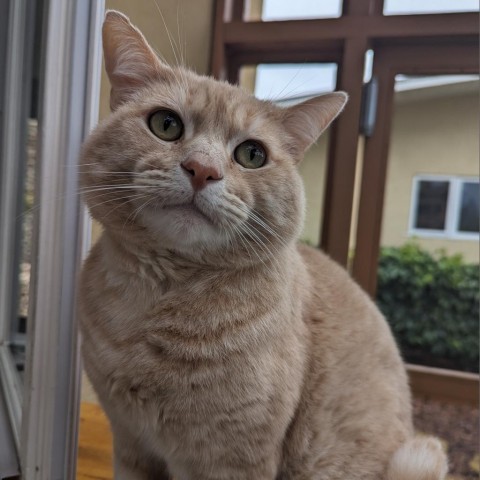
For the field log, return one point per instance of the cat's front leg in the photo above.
(124, 471)
(129, 466)
(230, 467)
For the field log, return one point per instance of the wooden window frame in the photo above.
(443, 43)
(435, 56)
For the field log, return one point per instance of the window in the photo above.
(469, 199)
(41, 405)
(445, 207)
(404, 7)
(294, 82)
(300, 9)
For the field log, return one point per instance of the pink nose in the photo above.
(201, 172)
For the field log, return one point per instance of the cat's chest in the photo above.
(162, 371)
(172, 340)
(146, 345)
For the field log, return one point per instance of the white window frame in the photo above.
(452, 214)
(44, 411)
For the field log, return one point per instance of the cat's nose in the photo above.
(201, 172)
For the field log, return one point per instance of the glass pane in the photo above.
(428, 277)
(287, 84)
(300, 9)
(26, 162)
(469, 208)
(406, 7)
(19, 324)
(432, 205)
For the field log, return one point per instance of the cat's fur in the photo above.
(219, 348)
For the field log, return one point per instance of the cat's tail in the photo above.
(420, 458)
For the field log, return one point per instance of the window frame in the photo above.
(452, 214)
(13, 133)
(44, 415)
(439, 43)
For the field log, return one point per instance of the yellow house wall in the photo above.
(313, 170)
(192, 36)
(436, 135)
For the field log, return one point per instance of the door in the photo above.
(391, 63)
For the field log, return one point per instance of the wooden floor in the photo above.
(94, 445)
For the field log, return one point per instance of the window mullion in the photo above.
(453, 204)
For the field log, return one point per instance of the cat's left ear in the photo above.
(307, 120)
(130, 62)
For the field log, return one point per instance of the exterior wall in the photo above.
(433, 135)
(194, 24)
(313, 170)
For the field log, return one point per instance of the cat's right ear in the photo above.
(130, 62)
(306, 121)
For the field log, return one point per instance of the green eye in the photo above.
(250, 154)
(166, 125)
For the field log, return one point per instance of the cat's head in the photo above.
(193, 163)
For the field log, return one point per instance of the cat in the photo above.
(219, 347)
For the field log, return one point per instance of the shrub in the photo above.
(432, 305)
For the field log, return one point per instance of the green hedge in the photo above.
(432, 305)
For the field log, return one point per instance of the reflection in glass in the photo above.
(407, 7)
(300, 9)
(469, 208)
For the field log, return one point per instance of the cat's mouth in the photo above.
(187, 210)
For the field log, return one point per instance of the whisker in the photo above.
(262, 260)
(173, 44)
(264, 248)
(128, 197)
(125, 202)
(255, 216)
(136, 211)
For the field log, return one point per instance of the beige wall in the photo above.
(313, 170)
(433, 135)
(192, 35)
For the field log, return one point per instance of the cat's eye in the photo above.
(250, 154)
(166, 125)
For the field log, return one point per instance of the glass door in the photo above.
(403, 72)
(48, 102)
(416, 249)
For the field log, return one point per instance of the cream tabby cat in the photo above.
(219, 348)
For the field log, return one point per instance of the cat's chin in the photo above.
(182, 227)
